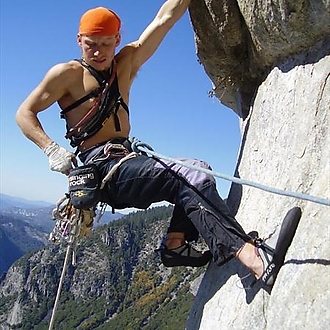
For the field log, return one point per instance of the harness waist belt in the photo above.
(96, 152)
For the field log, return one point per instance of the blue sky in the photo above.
(169, 103)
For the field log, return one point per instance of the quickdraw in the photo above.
(71, 223)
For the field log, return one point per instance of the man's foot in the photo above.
(184, 255)
(270, 270)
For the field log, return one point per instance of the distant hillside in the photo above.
(9, 252)
(25, 226)
(22, 231)
(119, 282)
(9, 201)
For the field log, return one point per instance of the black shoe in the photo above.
(184, 255)
(273, 259)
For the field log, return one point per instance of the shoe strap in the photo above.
(260, 244)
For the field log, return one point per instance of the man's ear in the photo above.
(118, 39)
(79, 39)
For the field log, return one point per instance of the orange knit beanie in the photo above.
(99, 21)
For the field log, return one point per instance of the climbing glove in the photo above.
(60, 159)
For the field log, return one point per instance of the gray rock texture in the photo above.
(281, 89)
(238, 42)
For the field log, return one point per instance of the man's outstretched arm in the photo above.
(170, 12)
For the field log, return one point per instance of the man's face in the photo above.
(98, 51)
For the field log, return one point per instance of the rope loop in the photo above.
(138, 146)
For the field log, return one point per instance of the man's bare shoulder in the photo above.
(66, 70)
(126, 53)
(126, 59)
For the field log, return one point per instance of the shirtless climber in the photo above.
(93, 94)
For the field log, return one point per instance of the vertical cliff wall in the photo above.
(281, 90)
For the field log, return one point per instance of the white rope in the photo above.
(65, 265)
(70, 235)
(137, 145)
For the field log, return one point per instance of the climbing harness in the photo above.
(139, 146)
(107, 102)
(115, 168)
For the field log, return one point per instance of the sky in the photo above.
(170, 108)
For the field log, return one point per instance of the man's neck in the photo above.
(104, 73)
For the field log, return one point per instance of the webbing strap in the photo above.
(101, 79)
(93, 93)
(107, 103)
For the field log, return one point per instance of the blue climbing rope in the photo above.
(139, 146)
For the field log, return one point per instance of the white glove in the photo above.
(60, 159)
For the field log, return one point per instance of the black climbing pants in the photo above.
(143, 180)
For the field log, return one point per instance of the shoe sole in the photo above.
(174, 260)
(285, 237)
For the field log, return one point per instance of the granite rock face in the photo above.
(281, 90)
(238, 42)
